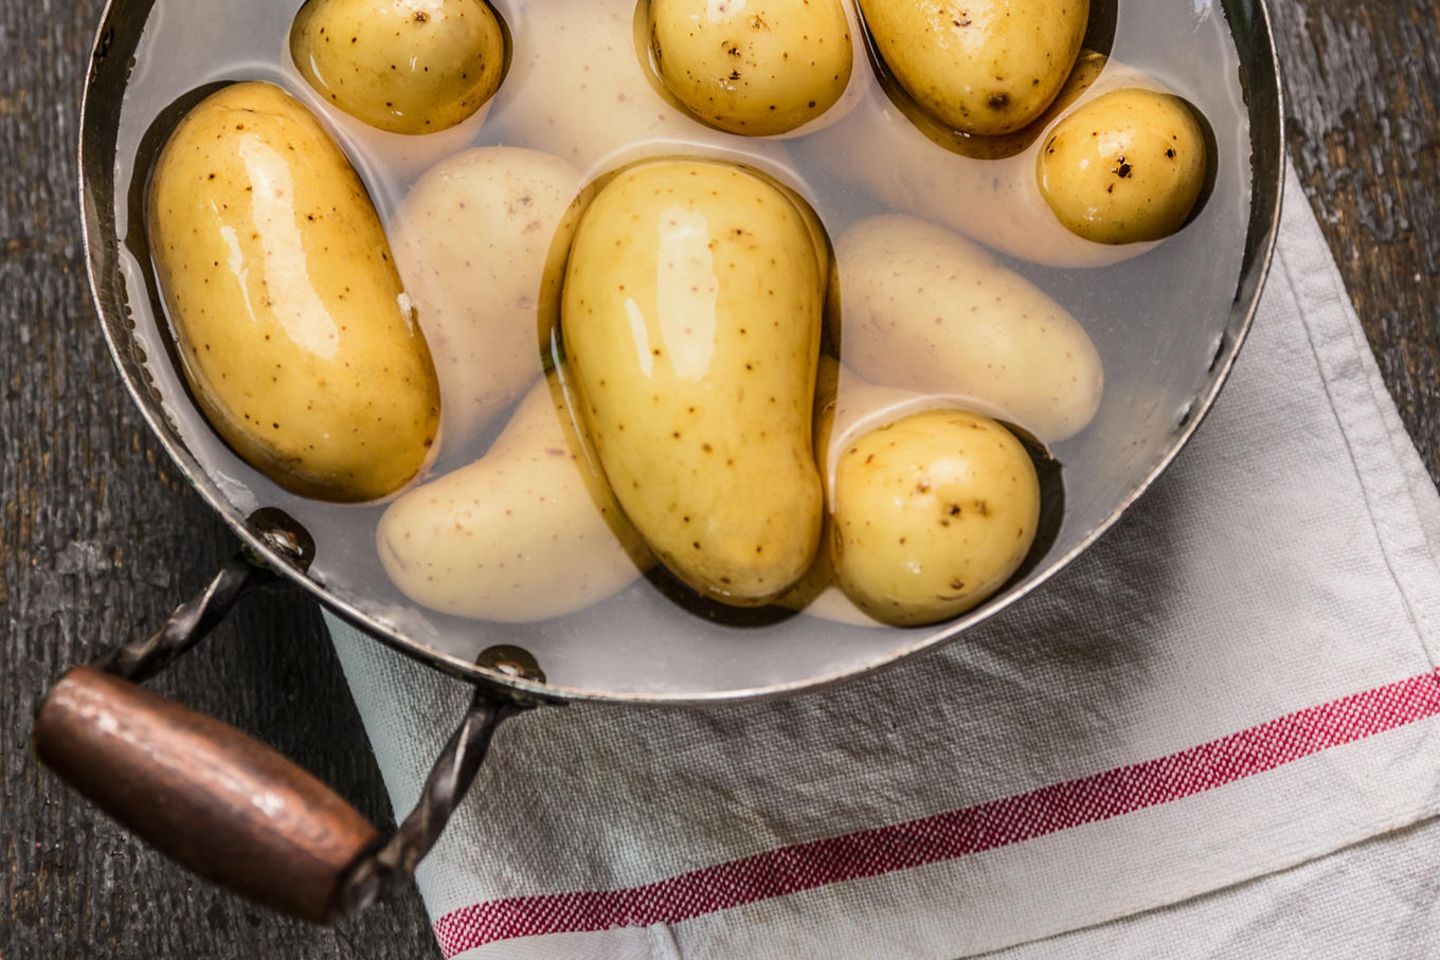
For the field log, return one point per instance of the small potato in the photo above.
(691, 320)
(1125, 168)
(404, 66)
(761, 68)
(933, 514)
(481, 242)
(985, 67)
(926, 310)
(879, 148)
(526, 533)
(293, 330)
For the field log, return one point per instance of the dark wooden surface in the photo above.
(98, 536)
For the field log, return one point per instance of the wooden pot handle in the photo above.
(220, 802)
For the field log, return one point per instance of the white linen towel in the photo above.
(1239, 679)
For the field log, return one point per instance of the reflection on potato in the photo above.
(985, 67)
(404, 66)
(691, 319)
(1125, 168)
(292, 327)
(933, 514)
(481, 242)
(526, 533)
(927, 310)
(760, 68)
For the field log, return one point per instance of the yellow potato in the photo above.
(933, 514)
(293, 330)
(761, 68)
(481, 241)
(405, 66)
(691, 319)
(1125, 168)
(526, 533)
(924, 309)
(994, 201)
(981, 66)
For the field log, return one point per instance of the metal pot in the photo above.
(236, 812)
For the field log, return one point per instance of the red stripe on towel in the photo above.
(946, 836)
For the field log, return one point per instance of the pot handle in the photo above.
(226, 806)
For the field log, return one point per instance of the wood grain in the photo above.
(98, 538)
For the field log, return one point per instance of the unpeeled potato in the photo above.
(933, 514)
(1125, 168)
(403, 66)
(294, 333)
(691, 319)
(985, 67)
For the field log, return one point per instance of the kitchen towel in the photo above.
(1238, 680)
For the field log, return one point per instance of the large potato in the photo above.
(691, 318)
(481, 242)
(927, 310)
(761, 68)
(933, 513)
(526, 533)
(985, 67)
(995, 201)
(293, 330)
(405, 66)
(1138, 180)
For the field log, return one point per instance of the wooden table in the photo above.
(98, 536)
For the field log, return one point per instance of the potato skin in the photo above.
(526, 533)
(294, 333)
(986, 67)
(927, 310)
(759, 69)
(481, 241)
(933, 514)
(399, 65)
(1138, 180)
(691, 321)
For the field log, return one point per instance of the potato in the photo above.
(528, 532)
(405, 66)
(926, 310)
(760, 69)
(691, 319)
(1125, 168)
(293, 331)
(577, 89)
(982, 66)
(933, 514)
(481, 242)
(997, 202)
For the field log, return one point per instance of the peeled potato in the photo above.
(481, 242)
(404, 66)
(1125, 168)
(525, 533)
(933, 514)
(924, 309)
